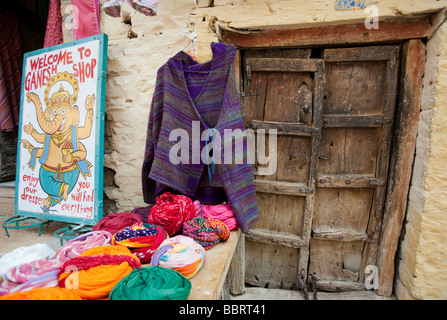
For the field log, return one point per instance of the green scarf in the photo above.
(152, 283)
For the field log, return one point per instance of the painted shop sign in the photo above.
(60, 154)
(351, 4)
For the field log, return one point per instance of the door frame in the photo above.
(407, 31)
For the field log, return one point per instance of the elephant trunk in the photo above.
(47, 124)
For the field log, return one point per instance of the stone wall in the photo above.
(423, 254)
(139, 45)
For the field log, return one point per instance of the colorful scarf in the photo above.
(78, 245)
(114, 222)
(28, 271)
(37, 273)
(96, 271)
(171, 211)
(207, 232)
(48, 279)
(141, 239)
(181, 254)
(152, 283)
(54, 293)
(222, 212)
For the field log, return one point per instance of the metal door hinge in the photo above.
(376, 182)
(306, 190)
(248, 71)
(320, 69)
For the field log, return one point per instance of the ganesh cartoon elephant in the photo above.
(62, 155)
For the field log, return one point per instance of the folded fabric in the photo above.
(54, 293)
(170, 211)
(142, 239)
(48, 279)
(181, 254)
(114, 222)
(152, 283)
(25, 255)
(143, 212)
(207, 232)
(221, 212)
(28, 271)
(78, 245)
(96, 271)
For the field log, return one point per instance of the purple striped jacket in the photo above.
(187, 92)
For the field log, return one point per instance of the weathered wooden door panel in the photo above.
(280, 213)
(349, 86)
(339, 261)
(278, 94)
(336, 156)
(353, 162)
(321, 210)
(273, 266)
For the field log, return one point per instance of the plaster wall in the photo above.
(139, 45)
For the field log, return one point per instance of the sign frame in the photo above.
(96, 121)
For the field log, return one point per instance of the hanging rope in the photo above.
(152, 283)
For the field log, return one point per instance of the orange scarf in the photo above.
(93, 279)
(52, 293)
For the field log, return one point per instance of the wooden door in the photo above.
(321, 210)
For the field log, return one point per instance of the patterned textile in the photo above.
(53, 32)
(181, 254)
(11, 51)
(189, 94)
(78, 245)
(141, 239)
(207, 232)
